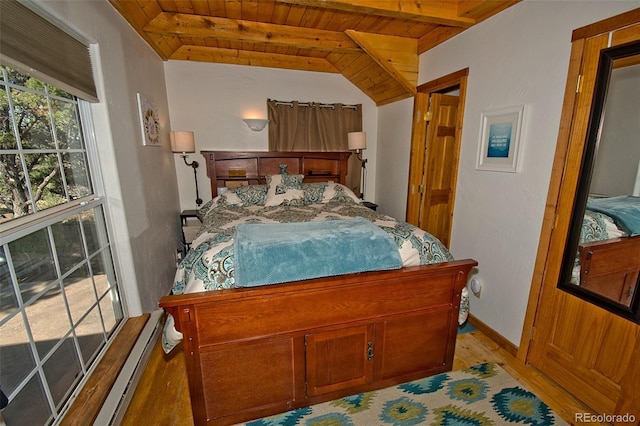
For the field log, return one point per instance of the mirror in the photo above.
(601, 261)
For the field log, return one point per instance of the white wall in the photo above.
(211, 100)
(140, 181)
(519, 57)
(394, 143)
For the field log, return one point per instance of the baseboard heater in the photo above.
(118, 400)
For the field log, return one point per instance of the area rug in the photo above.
(481, 395)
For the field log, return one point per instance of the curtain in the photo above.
(310, 126)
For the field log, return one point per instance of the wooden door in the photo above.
(441, 166)
(591, 352)
(435, 150)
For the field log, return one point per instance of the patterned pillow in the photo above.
(339, 193)
(284, 189)
(314, 192)
(250, 195)
(202, 211)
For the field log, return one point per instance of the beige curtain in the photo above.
(309, 126)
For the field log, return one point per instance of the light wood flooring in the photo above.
(162, 396)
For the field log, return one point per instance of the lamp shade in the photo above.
(357, 140)
(256, 124)
(182, 141)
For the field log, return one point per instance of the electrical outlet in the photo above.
(476, 287)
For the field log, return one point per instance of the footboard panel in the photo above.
(258, 351)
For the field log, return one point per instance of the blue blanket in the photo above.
(282, 252)
(624, 210)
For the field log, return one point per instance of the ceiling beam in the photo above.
(252, 32)
(398, 56)
(442, 12)
(258, 59)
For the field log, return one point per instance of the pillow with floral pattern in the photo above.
(284, 189)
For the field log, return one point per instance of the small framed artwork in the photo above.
(500, 139)
(149, 121)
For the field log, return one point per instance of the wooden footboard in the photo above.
(611, 268)
(258, 351)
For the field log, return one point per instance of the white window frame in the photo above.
(23, 226)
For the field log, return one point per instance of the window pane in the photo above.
(68, 239)
(67, 124)
(62, 370)
(15, 200)
(16, 77)
(7, 138)
(33, 112)
(44, 176)
(91, 335)
(15, 353)
(94, 230)
(102, 271)
(8, 301)
(33, 263)
(30, 407)
(78, 288)
(76, 173)
(48, 320)
(111, 310)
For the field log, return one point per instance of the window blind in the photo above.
(35, 45)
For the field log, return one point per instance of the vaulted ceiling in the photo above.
(375, 44)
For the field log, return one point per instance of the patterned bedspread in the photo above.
(209, 265)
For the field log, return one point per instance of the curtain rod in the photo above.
(315, 104)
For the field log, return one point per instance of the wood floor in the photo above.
(162, 396)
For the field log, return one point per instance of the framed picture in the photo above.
(500, 139)
(149, 121)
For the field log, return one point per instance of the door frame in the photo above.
(457, 79)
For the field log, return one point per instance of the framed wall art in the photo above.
(149, 121)
(500, 139)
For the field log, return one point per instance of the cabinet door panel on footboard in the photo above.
(249, 377)
(413, 345)
(339, 359)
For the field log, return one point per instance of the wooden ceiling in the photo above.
(375, 44)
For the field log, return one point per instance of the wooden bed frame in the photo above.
(254, 352)
(611, 268)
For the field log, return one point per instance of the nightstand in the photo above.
(186, 214)
(190, 228)
(369, 204)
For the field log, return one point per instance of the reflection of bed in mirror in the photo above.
(608, 261)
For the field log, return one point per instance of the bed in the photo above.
(608, 258)
(265, 349)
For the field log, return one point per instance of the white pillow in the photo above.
(284, 189)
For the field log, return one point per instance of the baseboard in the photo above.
(118, 400)
(494, 335)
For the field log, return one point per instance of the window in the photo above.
(59, 299)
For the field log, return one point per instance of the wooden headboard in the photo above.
(236, 168)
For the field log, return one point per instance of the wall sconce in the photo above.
(185, 142)
(256, 124)
(358, 142)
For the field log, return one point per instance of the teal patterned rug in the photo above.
(477, 396)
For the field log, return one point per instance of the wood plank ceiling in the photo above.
(375, 44)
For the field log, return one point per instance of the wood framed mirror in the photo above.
(601, 260)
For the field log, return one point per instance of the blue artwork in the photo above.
(499, 140)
